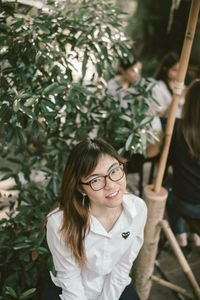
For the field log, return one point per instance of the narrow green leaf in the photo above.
(28, 112)
(105, 52)
(41, 250)
(9, 175)
(4, 27)
(82, 89)
(50, 89)
(129, 142)
(16, 105)
(22, 135)
(99, 69)
(24, 96)
(27, 293)
(125, 118)
(55, 187)
(108, 31)
(11, 292)
(85, 60)
(49, 104)
(44, 29)
(21, 246)
(30, 101)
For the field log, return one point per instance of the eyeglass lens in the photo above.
(115, 175)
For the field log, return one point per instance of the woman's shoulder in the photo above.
(54, 218)
(136, 210)
(134, 202)
(113, 84)
(161, 93)
(160, 86)
(161, 83)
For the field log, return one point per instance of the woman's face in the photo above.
(112, 194)
(131, 74)
(172, 72)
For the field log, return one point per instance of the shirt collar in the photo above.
(129, 210)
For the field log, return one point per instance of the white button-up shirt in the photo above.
(109, 254)
(163, 96)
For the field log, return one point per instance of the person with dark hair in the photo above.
(163, 90)
(97, 231)
(184, 155)
(121, 90)
(123, 96)
(128, 73)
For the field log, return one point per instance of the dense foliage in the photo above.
(54, 62)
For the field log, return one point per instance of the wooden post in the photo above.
(181, 258)
(173, 287)
(144, 265)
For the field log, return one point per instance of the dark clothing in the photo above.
(186, 170)
(52, 292)
(176, 209)
(184, 190)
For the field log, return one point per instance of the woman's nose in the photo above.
(109, 183)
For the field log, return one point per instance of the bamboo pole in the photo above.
(181, 258)
(184, 59)
(143, 266)
(172, 286)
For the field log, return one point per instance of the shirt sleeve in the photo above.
(119, 278)
(68, 275)
(162, 96)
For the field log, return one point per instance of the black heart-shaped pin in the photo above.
(125, 234)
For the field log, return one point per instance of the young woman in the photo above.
(163, 90)
(97, 231)
(184, 199)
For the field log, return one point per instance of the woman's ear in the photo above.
(80, 189)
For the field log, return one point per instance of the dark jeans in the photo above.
(177, 208)
(52, 292)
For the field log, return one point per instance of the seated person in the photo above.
(120, 86)
(96, 232)
(163, 90)
(184, 155)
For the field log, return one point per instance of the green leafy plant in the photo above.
(53, 61)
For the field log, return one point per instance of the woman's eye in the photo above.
(98, 179)
(115, 170)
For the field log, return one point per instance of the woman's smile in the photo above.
(113, 195)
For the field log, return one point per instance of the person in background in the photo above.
(97, 231)
(121, 86)
(184, 156)
(163, 90)
(123, 89)
(128, 73)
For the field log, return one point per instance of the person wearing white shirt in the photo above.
(163, 90)
(97, 231)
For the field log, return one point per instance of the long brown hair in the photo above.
(81, 162)
(190, 122)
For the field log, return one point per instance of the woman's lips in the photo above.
(113, 195)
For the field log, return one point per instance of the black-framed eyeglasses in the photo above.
(99, 182)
